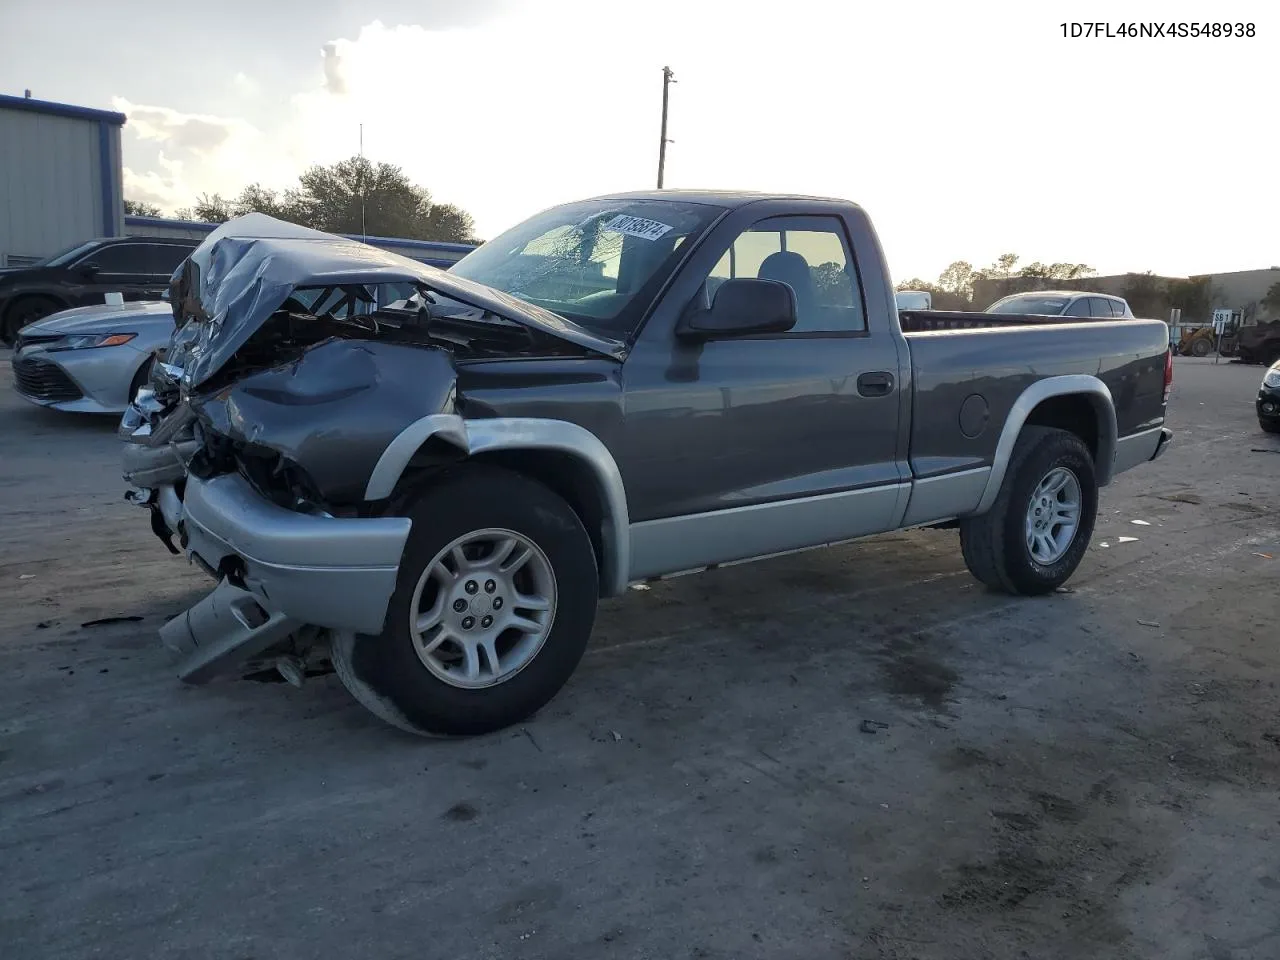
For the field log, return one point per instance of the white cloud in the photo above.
(965, 133)
(245, 85)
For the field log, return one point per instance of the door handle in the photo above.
(877, 384)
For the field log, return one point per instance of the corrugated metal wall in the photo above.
(51, 189)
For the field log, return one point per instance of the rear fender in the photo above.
(512, 434)
(1090, 387)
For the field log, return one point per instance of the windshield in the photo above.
(597, 263)
(1033, 304)
(68, 255)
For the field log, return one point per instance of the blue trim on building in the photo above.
(49, 108)
(428, 245)
(106, 170)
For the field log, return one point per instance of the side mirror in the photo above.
(741, 308)
(90, 269)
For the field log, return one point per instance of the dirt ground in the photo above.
(851, 753)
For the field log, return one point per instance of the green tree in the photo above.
(1002, 269)
(958, 279)
(136, 208)
(352, 196)
(1191, 296)
(1272, 300)
(1057, 271)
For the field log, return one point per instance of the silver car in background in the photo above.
(1064, 303)
(90, 359)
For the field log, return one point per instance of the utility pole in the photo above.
(668, 78)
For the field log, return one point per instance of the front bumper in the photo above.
(96, 380)
(1268, 404)
(332, 572)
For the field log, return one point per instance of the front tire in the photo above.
(1037, 531)
(1270, 426)
(494, 603)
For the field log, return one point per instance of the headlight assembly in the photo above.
(89, 340)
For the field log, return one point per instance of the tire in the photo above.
(1201, 348)
(995, 544)
(1270, 426)
(389, 676)
(23, 311)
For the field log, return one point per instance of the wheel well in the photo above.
(570, 479)
(1074, 413)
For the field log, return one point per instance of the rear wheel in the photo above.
(1201, 348)
(23, 311)
(1037, 531)
(494, 603)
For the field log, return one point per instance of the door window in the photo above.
(810, 255)
(163, 258)
(121, 258)
(1078, 308)
(1104, 308)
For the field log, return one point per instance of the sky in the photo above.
(965, 130)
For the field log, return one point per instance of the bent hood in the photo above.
(245, 270)
(99, 318)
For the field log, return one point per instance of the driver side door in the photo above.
(749, 445)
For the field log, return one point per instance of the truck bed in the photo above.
(921, 321)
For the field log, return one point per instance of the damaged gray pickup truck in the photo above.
(426, 480)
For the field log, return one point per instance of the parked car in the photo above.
(90, 359)
(434, 497)
(1268, 402)
(1260, 342)
(137, 267)
(1063, 303)
(914, 300)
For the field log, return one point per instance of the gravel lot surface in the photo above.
(850, 753)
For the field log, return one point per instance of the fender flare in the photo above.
(1086, 385)
(472, 437)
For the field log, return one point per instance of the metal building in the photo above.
(60, 177)
(437, 253)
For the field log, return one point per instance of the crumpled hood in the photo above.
(99, 318)
(247, 268)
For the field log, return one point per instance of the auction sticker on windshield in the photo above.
(637, 227)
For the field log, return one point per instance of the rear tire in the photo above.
(23, 311)
(464, 684)
(996, 544)
(1201, 348)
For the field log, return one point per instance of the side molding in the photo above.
(1083, 384)
(473, 437)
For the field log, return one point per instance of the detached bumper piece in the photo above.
(225, 628)
(42, 381)
(1166, 435)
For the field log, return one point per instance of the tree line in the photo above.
(953, 290)
(353, 196)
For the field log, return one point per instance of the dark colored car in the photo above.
(432, 492)
(1268, 403)
(137, 267)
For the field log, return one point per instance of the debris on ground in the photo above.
(871, 726)
(1141, 523)
(27, 576)
(1264, 450)
(1149, 623)
(1265, 556)
(1190, 498)
(1126, 539)
(1104, 544)
(617, 737)
(639, 586)
(103, 621)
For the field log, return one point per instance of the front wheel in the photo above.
(1270, 426)
(494, 602)
(1037, 531)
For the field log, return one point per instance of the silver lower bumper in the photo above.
(225, 628)
(332, 572)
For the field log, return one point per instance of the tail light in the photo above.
(1168, 374)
